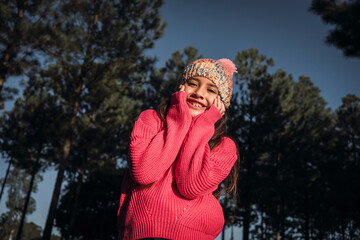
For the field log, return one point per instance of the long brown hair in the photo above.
(229, 185)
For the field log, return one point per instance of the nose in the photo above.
(199, 93)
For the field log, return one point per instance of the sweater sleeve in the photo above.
(200, 170)
(154, 148)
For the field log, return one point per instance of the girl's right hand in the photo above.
(182, 88)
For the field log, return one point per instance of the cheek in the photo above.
(212, 100)
(187, 90)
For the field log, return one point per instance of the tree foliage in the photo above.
(21, 21)
(91, 75)
(291, 151)
(95, 216)
(345, 17)
(299, 176)
(18, 185)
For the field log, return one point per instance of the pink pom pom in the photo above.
(230, 66)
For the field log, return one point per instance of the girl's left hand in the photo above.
(219, 105)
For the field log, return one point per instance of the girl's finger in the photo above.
(182, 88)
(222, 106)
(216, 103)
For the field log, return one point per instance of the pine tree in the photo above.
(348, 115)
(8, 131)
(18, 185)
(285, 130)
(270, 123)
(310, 122)
(89, 158)
(95, 68)
(345, 17)
(252, 74)
(25, 137)
(95, 216)
(20, 29)
(345, 179)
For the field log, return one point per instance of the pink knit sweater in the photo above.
(177, 159)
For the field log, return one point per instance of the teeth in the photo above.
(196, 104)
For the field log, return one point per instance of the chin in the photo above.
(194, 113)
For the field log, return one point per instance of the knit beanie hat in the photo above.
(220, 72)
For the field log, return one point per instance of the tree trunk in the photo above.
(282, 220)
(342, 230)
(28, 195)
(246, 222)
(307, 217)
(262, 227)
(354, 148)
(76, 203)
(11, 234)
(278, 207)
(223, 233)
(248, 165)
(62, 167)
(2, 80)
(282, 213)
(278, 222)
(77, 193)
(226, 217)
(4, 67)
(352, 230)
(6, 177)
(321, 230)
(67, 145)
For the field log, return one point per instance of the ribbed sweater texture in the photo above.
(167, 190)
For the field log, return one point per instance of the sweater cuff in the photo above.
(213, 114)
(178, 98)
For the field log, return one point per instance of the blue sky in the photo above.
(282, 29)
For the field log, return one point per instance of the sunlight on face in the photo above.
(200, 94)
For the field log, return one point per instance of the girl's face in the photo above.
(200, 94)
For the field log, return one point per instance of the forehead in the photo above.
(203, 80)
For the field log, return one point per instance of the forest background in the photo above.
(74, 75)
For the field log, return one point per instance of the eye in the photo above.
(212, 90)
(191, 84)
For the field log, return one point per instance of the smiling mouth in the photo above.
(196, 104)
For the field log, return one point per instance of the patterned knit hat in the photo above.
(220, 72)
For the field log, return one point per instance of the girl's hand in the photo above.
(182, 88)
(219, 105)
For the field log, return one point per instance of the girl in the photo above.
(178, 157)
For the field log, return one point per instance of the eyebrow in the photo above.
(210, 84)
